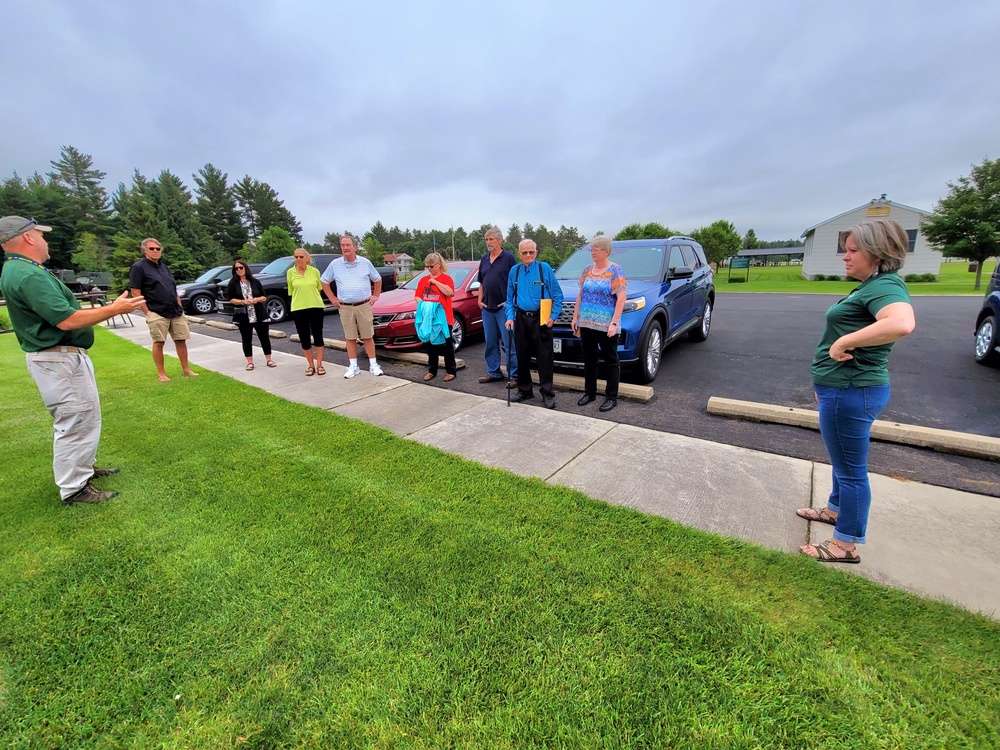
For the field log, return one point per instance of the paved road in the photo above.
(759, 350)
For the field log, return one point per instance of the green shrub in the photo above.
(736, 280)
(912, 278)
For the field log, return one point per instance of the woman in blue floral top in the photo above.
(597, 321)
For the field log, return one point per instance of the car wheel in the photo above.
(276, 308)
(700, 332)
(458, 332)
(202, 304)
(650, 352)
(987, 339)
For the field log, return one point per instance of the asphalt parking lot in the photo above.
(759, 349)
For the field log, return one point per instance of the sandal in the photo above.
(310, 371)
(249, 366)
(823, 553)
(448, 378)
(320, 370)
(818, 516)
(429, 377)
(271, 363)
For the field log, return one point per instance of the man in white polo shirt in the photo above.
(358, 287)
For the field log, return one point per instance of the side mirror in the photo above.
(474, 287)
(681, 272)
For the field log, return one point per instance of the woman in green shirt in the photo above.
(851, 380)
(305, 289)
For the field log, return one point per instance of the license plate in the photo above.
(557, 346)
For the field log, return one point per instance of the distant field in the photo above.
(953, 278)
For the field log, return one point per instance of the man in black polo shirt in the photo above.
(56, 334)
(150, 278)
(494, 268)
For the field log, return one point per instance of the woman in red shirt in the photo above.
(438, 287)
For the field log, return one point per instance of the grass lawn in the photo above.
(274, 576)
(953, 278)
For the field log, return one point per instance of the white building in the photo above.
(822, 253)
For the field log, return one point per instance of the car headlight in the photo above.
(181, 292)
(631, 305)
(405, 316)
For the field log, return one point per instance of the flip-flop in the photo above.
(824, 555)
(249, 366)
(320, 371)
(448, 378)
(271, 363)
(819, 516)
(310, 371)
(429, 377)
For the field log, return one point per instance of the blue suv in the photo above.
(670, 292)
(987, 346)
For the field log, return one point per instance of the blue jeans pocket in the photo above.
(876, 399)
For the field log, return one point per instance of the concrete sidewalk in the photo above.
(933, 541)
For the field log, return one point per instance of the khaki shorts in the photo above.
(159, 327)
(357, 321)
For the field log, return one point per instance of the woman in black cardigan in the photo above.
(247, 298)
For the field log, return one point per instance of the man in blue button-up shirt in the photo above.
(530, 282)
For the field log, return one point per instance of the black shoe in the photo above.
(548, 402)
(99, 473)
(609, 404)
(521, 396)
(89, 494)
(585, 399)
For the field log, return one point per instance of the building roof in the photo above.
(390, 257)
(789, 250)
(883, 201)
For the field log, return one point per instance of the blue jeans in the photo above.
(496, 334)
(845, 421)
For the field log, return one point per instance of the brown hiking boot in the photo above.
(100, 473)
(89, 494)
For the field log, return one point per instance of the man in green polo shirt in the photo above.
(56, 333)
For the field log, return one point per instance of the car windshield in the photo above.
(644, 262)
(458, 274)
(279, 266)
(212, 275)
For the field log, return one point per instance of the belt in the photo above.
(528, 313)
(354, 304)
(63, 349)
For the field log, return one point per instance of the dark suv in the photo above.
(987, 349)
(670, 292)
(198, 296)
(273, 277)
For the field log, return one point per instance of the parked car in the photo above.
(394, 312)
(273, 277)
(987, 348)
(198, 296)
(670, 292)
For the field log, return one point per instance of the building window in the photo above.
(912, 234)
(841, 239)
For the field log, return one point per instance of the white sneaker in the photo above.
(352, 371)
(375, 370)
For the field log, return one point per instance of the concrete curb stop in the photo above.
(944, 441)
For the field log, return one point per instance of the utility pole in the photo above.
(453, 242)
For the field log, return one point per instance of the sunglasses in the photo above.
(30, 223)
(154, 249)
(529, 252)
(240, 268)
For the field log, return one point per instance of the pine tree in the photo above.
(217, 211)
(87, 209)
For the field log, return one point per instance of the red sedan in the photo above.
(394, 311)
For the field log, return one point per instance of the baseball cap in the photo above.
(12, 226)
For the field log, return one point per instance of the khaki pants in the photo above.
(69, 391)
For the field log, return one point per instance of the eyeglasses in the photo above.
(154, 249)
(30, 223)
(299, 257)
(432, 265)
(529, 252)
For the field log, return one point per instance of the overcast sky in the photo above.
(588, 114)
